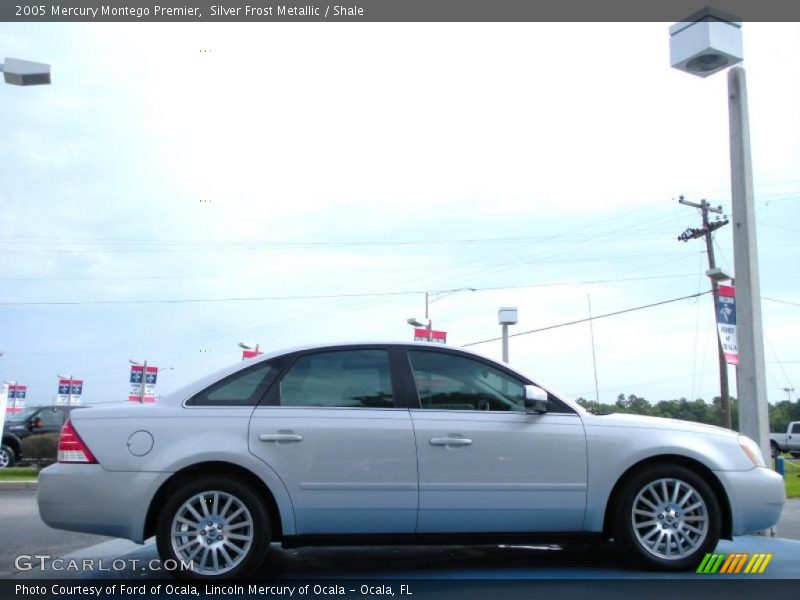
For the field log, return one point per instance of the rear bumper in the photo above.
(89, 499)
(756, 496)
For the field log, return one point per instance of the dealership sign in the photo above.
(726, 324)
(69, 391)
(16, 398)
(430, 335)
(149, 388)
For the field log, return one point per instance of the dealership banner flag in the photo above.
(3, 404)
(726, 323)
(150, 378)
(430, 335)
(69, 391)
(16, 398)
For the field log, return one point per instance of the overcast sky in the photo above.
(215, 161)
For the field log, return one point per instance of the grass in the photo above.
(19, 474)
(792, 478)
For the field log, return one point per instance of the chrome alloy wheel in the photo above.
(670, 519)
(5, 457)
(213, 530)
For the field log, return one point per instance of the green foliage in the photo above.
(782, 414)
(698, 410)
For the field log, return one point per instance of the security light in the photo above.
(718, 275)
(507, 316)
(25, 72)
(706, 42)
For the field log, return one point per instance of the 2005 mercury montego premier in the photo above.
(377, 443)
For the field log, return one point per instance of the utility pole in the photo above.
(705, 232)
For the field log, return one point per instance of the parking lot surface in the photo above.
(19, 517)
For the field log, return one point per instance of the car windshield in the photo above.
(22, 416)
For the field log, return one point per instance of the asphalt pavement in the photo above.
(21, 525)
(23, 532)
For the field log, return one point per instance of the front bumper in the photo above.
(89, 499)
(756, 497)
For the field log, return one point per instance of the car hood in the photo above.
(644, 422)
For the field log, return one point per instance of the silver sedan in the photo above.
(384, 443)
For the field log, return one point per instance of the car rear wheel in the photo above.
(667, 518)
(215, 524)
(6, 457)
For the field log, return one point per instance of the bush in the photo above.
(41, 449)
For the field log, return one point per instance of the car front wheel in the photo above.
(667, 518)
(215, 527)
(6, 457)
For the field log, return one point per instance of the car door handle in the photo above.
(450, 441)
(280, 437)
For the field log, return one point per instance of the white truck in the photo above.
(786, 442)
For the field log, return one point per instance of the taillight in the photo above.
(71, 448)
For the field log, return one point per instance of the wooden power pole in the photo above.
(705, 232)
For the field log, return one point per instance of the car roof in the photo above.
(187, 391)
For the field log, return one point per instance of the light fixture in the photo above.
(706, 42)
(718, 275)
(25, 72)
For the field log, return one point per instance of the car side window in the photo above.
(341, 378)
(795, 428)
(51, 418)
(450, 382)
(243, 388)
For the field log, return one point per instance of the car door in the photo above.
(793, 437)
(485, 465)
(333, 431)
(52, 418)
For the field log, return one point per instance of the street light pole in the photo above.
(427, 319)
(703, 44)
(507, 315)
(751, 384)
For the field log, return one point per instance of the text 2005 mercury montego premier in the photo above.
(383, 443)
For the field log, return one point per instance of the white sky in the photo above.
(577, 138)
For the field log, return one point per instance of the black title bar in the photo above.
(390, 10)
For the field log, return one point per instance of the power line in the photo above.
(781, 301)
(618, 257)
(331, 296)
(611, 314)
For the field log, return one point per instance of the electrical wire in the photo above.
(603, 316)
(329, 296)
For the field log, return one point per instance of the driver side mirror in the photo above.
(535, 399)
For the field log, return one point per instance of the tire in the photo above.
(7, 457)
(655, 529)
(221, 544)
(774, 450)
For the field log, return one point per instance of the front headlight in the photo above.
(753, 452)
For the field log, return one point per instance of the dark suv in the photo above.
(36, 420)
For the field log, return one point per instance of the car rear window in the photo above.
(243, 388)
